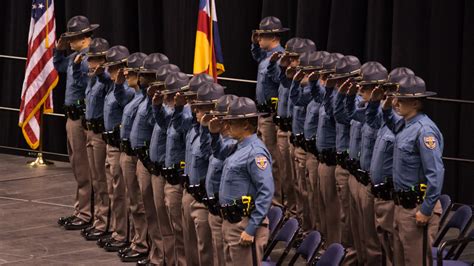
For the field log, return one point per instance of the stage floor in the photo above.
(31, 200)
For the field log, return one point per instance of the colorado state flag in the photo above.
(208, 53)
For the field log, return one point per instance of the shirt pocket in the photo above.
(387, 143)
(238, 180)
(409, 156)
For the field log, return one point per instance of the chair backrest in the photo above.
(463, 246)
(333, 255)
(285, 234)
(446, 204)
(460, 219)
(308, 247)
(275, 215)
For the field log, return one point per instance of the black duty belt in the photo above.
(310, 145)
(269, 106)
(341, 159)
(238, 209)
(112, 137)
(95, 125)
(198, 191)
(143, 156)
(362, 176)
(284, 123)
(212, 204)
(411, 198)
(126, 147)
(383, 190)
(174, 175)
(352, 165)
(327, 156)
(74, 112)
(298, 141)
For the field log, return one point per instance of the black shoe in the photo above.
(124, 251)
(76, 224)
(95, 235)
(103, 240)
(144, 262)
(86, 230)
(133, 256)
(63, 220)
(114, 245)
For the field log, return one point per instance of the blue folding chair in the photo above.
(447, 205)
(461, 243)
(275, 217)
(308, 248)
(460, 220)
(286, 234)
(333, 256)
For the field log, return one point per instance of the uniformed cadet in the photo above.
(265, 42)
(157, 158)
(346, 102)
(206, 99)
(277, 66)
(345, 68)
(418, 172)
(281, 69)
(373, 74)
(78, 38)
(140, 137)
(128, 159)
(222, 144)
(312, 93)
(96, 146)
(301, 82)
(381, 168)
(246, 188)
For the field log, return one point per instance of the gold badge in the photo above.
(261, 162)
(430, 142)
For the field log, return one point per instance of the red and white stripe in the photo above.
(40, 75)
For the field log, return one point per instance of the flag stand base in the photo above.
(40, 161)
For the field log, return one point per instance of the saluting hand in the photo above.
(61, 44)
(120, 77)
(344, 88)
(157, 98)
(352, 90)
(275, 56)
(290, 72)
(205, 119)
(299, 75)
(98, 70)
(179, 99)
(313, 76)
(254, 37)
(285, 61)
(387, 103)
(78, 59)
(246, 239)
(377, 95)
(215, 125)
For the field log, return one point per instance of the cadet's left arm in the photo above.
(261, 177)
(430, 146)
(354, 112)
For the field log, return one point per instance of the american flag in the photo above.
(40, 75)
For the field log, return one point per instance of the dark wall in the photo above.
(433, 37)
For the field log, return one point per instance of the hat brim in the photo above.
(217, 113)
(234, 117)
(310, 68)
(69, 34)
(344, 75)
(203, 103)
(272, 31)
(414, 95)
(113, 63)
(132, 69)
(372, 82)
(325, 71)
(89, 54)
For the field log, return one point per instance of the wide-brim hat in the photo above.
(335, 76)
(78, 25)
(134, 61)
(270, 25)
(242, 108)
(412, 87)
(372, 82)
(113, 63)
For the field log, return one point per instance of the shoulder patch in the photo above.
(261, 162)
(430, 142)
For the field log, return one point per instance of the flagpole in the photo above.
(40, 161)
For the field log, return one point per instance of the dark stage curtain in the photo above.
(433, 37)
